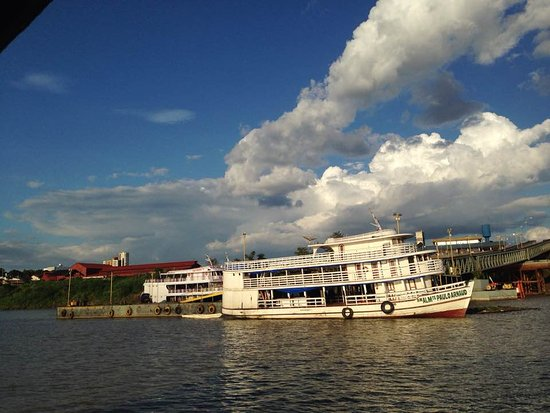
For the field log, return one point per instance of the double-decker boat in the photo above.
(371, 275)
(202, 284)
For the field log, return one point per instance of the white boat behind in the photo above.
(201, 284)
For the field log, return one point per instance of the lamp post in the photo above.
(69, 289)
(449, 231)
(397, 217)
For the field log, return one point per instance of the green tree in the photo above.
(302, 251)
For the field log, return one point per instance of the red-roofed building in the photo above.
(55, 275)
(87, 270)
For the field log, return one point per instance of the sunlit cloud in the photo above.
(424, 38)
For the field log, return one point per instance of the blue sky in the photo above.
(169, 128)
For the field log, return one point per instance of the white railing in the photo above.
(369, 236)
(361, 299)
(336, 277)
(325, 258)
(292, 302)
(402, 295)
(195, 290)
(187, 280)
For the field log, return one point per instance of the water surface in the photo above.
(482, 363)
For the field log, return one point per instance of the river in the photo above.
(482, 363)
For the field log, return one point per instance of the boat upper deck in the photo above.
(192, 276)
(325, 258)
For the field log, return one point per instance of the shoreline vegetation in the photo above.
(51, 294)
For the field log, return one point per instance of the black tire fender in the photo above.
(387, 307)
(347, 313)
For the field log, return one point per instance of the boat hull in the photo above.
(452, 303)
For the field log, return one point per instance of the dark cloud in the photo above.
(442, 102)
(275, 201)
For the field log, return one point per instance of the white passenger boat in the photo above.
(370, 275)
(202, 284)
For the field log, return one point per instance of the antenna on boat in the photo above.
(209, 260)
(376, 223)
(226, 257)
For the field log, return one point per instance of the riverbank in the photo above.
(52, 294)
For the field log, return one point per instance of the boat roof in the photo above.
(365, 237)
(208, 268)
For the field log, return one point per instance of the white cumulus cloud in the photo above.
(400, 45)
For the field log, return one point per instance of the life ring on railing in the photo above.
(200, 309)
(71, 314)
(111, 313)
(347, 313)
(211, 308)
(167, 310)
(387, 307)
(157, 310)
(129, 311)
(63, 313)
(178, 310)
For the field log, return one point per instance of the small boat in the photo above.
(370, 275)
(201, 316)
(202, 284)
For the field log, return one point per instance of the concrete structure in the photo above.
(483, 293)
(137, 310)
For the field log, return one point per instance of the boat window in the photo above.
(410, 284)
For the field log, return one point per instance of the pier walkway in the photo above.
(482, 261)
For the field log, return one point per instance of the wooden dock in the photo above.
(137, 310)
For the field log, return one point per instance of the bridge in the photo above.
(481, 261)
